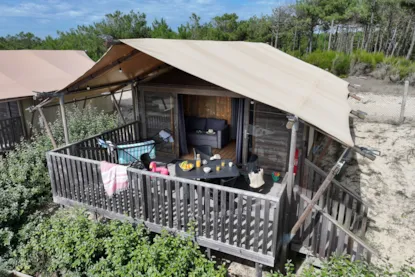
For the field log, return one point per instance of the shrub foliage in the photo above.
(69, 243)
(24, 179)
(343, 266)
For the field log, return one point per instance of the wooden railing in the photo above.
(233, 221)
(11, 132)
(89, 148)
(338, 223)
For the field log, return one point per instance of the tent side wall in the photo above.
(103, 103)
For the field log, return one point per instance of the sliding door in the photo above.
(158, 112)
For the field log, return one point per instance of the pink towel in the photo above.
(114, 177)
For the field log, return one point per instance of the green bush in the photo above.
(24, 179)
(343, 266)
(401, 66)
(322, 59)
(341, 65)
(372, 59)
(69, 243)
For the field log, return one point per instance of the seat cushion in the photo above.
(215, 124)
(196, 123)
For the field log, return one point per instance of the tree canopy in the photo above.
(386, 26)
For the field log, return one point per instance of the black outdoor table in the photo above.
(198, 173)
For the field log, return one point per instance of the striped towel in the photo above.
(114, 177)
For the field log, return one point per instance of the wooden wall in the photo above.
(208, 107)
(271, 139)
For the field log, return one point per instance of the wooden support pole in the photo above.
(404, 98)
(22, 118)
(118, 108)
(333, 172)
(293, 146)
(47, 128)
(64, 122)
(258, 270)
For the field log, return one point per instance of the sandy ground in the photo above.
(388, 183)
(382, 100)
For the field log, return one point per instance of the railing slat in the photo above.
(155, 187)
(144, 209)
(135, 197)
(170, 203)
(239, 222)
(185, 205)
(149, 199)
(200, 210)
(265, 227)
(215, 214)
(207, 212)
(163, 201)
(257, 223)
(223, 216)
(248, 222)
(231, 216)
(178, 210)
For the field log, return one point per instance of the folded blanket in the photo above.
(114, 177)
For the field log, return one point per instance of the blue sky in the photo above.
(45, 17)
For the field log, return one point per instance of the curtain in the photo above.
(234, 117)
(239, 129)
(182, 126)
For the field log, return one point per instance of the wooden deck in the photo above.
(235, 221)
(228, 152)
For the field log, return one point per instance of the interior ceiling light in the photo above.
(120, 70)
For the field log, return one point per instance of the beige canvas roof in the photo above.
(25, 71)
(254, 70)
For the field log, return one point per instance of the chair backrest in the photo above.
(228, 182)
(252, 164)
(205, 152)
(146, 160)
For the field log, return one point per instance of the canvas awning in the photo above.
(25, 71)
(254, 70)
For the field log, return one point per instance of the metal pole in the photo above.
(64, 123)
(404, 97)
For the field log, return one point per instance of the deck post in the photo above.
(64, 122)
(293, 146)
(293, 123)
(258, 270)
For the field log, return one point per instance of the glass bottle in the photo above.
(198, 161)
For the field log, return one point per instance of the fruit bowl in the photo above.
(186, 166)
